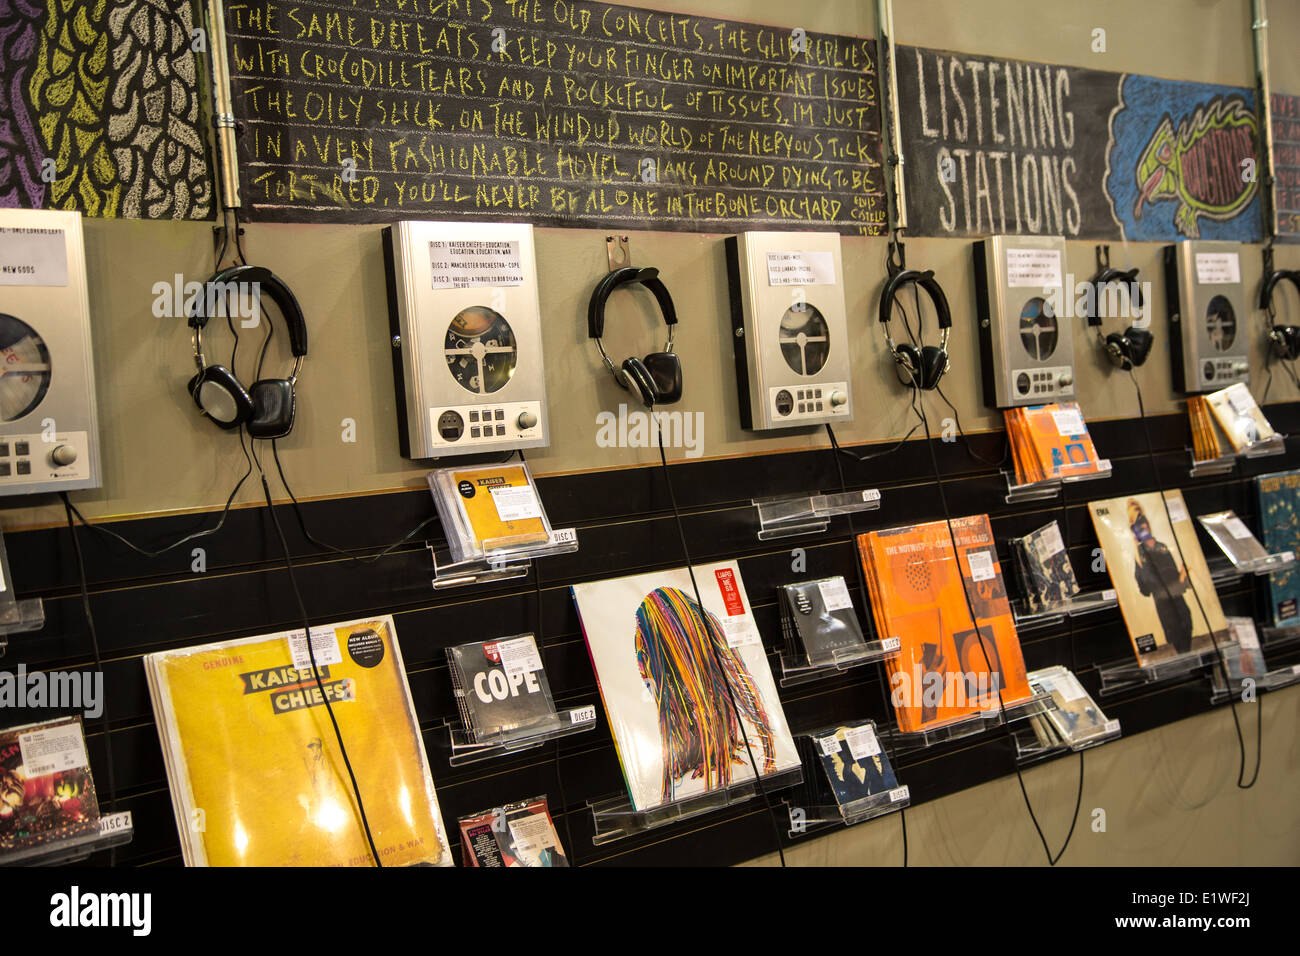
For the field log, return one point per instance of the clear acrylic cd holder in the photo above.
(16, 617)
(813, 802)
(790, 515)
(115, 829)
(468, 748)
(1270, 680)
(1087, 602)
(503, 560)
(615, 818)
(1030, 749)
(1207, 467)
(1049, 487)
(796, 669)
(1265, 448)
(994, 715)
(1124, 675)
(1277, 638)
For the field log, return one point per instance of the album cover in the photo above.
(1076, 716)
(821, 615)
(501, 689)
(1232, 535)
(518, 834)
(255, 770)
(667, 670)
(47, 794)
(1047, 575)
(1279, 517)
(923, 594)
(855, 763)
(1059, 439)
(1157, 592)
(1240, 418)
(489, 508)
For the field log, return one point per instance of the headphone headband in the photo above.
(649, 278)
(268, 283)
(1104, 278)
(1266, 291)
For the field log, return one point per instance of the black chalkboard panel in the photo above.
(552, 111)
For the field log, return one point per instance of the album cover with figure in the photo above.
(667, 669)
(254, 767)
(1159, 574)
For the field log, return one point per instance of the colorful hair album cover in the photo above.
(923, 593)
(1279, 519)
(667, 672)
(47, 795)
(1165, 602)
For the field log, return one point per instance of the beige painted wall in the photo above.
(159, 456)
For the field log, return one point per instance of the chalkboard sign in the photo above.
(1007, 146)
(1286, 164)
(552, 111)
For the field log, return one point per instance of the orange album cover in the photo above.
(1060, 440)
(943, 672)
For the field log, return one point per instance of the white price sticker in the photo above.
(829, 746)
(1217, 268)
(52, 750)
(1070, 689)
(1243, 629)
(980, 564)
(516, 503)
(33, 256)
(564, 536)
(324, 644)
(1111, 726)
(1069, 422)
(1036, 268)
(532, 833)
(465, 264)
(1236, 527)
(519, 656)
(115, 823)
(835, 594)
(740, 631)
(1049, 543)
(805, 267)
(583, 715)
(891, 644)
(1109, 594)
(1177, 510)
(899, 793)
(871, 494)
(862, 741)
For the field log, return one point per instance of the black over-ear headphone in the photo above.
(1131, 349)
(656, 379)
(1283, 339)
(268, 407)
(924, 366)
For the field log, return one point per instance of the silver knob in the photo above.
(63, 455)
(1240, 368)
(526, 420)
(1065, 379)
(839, 398)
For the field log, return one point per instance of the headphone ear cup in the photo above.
(1139, 345)
(1286, 341)
(218, 393)
(934, 362)
(665, 370)
(909, 359)
(273, 408)
(1117, 350)
(636, 378)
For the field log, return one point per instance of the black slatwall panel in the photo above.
(625, 525)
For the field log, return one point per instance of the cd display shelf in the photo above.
(1087, 602)
(899, 741)
(1123, 675)
(1276, 638)
(16, 617)
(789, 516)
(616, 819)
(1049, 487)
(853, 812)
(1031, 750)
(796, 668)
(1225, 572)
(503, 560)
(1207, 467)
(469, 748)
(1270, 680)
(115, 829)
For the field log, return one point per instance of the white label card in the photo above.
(564, 535)
(1110, 594)
(740, 631)
(115, 822)
(532, 833)
(871, 494)
(862, 741)
(1036, 268)
(1177, 510)
(1243, 629)
(583, 715)
(516, 503)
(1069, 422)
(829, 746)
(980, 564)
(1236, 527)
(52, 750)
(33, 256)
(1070, 689)
(899, 793)
(324, 644)
(891, 643)
(1049, 542)
(1112, 726)
(835, 595)
(1218, 268)
(800, 268)
(467, 263)
(519, 656)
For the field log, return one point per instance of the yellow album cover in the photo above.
(256, 774)
(500, 503)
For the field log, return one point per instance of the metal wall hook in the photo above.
(618, 251)
(1103, 256)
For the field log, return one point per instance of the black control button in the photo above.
(24, 468)
(20, 448)
(819, 406)
(501, 429)
(4, 469)
(474, 432)
(473, 416)
(4, 449)
(501, 414)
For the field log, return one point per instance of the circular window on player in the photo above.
(805, 339)
(1038, 329)
(24, 368)
(481, 352)
(1220, 323)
